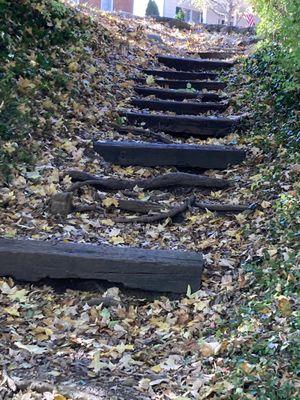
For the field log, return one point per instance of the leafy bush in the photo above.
(180, 15)
(272, 94)
(152, 9)
(280, 22)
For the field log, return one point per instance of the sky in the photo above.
(140, 7)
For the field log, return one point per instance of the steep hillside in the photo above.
(64, 75)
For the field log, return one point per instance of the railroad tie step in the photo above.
(180, 75)
(184, 84)
(176, 94)
(208, 55)
(179, 107)
(185, 125)
(155, 270)
(179, 155)
(193, 64)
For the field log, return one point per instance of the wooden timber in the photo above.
(176, 94)
(186, 125)
(184, 84)
(180, 155)
(180, 75)
(155, 270)
(193, 64)
(179, 107)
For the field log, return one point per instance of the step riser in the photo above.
(176, 95)
(151, 155)
(193, 64)
(212, 55)
(177, 75)
(197, 85)
(156, 270)
(178, 107)
(195, 126)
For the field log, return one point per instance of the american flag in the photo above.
(250, 19)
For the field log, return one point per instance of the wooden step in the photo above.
(179, 155)
(155, 270)
(219, 55)
(184, 125)
(179, 107)
(176, 94)
(179, 75)
(193, 64)
(183, 84)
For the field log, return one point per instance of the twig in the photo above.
(163, 215)
(224, 207)
(179, 179)
(42, 387)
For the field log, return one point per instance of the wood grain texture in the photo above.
(155, 270)
(183, 84)
(179, 107)
(154, 154)
(185, 125)
(180, 75)
(176, 94)
(193, 64)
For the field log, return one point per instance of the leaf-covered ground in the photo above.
(236, 337)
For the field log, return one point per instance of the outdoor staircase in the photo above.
(187, 87)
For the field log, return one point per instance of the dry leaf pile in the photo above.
(198, 347)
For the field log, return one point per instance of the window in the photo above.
(107, 5)
(191, 15)
(197, 17)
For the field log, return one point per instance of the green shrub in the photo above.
(180, 15)
(272, 94)
(280, 22)
(152, 9)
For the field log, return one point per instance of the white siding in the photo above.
(170, 8)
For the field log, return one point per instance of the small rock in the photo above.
(106, 301)
(155, 38)
(62, 203)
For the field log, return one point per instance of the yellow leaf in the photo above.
(10, 232)
(110, 201)
(12, 310)
(117, 240)
(265, 204)
(246, 367)
(19, 295)
(284, 306)
(108, 222)
(150, 80)
(73, 66)
(92, 70)
(59, 397)
(210, 349)
(96, 364)
(156, 368)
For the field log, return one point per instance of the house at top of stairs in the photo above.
(219, 15)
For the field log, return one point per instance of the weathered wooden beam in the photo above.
(179, 75)
(218, 55)
(179, 107)
(155, 270)
(180, 155)
(193, 64)
(176, 94)
(186, 125)
(184, 84)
